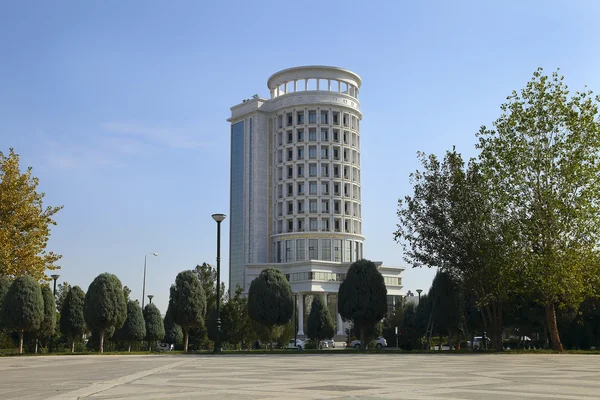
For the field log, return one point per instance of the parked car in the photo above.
(164, 347)
(328, 343)
(379, 343)
(295, 344)
(479, 342)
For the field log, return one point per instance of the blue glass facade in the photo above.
(236, 210)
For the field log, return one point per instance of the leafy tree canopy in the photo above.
(320, 324)
(24, 223)
(72, 323)
(155, 329)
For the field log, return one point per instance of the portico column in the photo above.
(300, 314)
(340, 324)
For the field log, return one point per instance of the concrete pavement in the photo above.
(302, 376)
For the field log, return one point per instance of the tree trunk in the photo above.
(129, 348)
(21, 342)
(185, 340)
(36, 345)
(101, 341)
(551, 320)
(271, 340)
(73, 346)
(363, 339)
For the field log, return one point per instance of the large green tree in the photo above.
(448, 305)
(24, 222)
(187, 303)
(270, 301)
(104, 307)
(362, 297)
(320, 324)
(46, 329)
(62, 289)
(134, 328)
(4, 285)
(72, 323)
(155, 329)
(452, 222)
(542, 158)
(23, 308)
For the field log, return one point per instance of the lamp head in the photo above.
(55, 276)
(419, 291)
(218, 217)
(154, 254)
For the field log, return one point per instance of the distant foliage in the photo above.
(188, 303)
(72, 323)
(49, 322)
(362, 297)
(134, 328)
(155, 329)
(320, 324)
(270, 300)
(104, 307)
(23, 308)
(173, 332)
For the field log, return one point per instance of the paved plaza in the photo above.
(302, 376)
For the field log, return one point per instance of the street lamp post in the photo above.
(150, 296)
(218, 218)
(144, 287)
(55, 277)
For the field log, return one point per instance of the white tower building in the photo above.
(296, 185)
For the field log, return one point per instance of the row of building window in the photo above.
(337, 250)
(315, 276)
(337, 189)
(326, 206)
(323, 152)
(318, 170)
(320, 84)
(343, 225)
(326, 117)
(288, 137)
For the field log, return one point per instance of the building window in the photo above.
(336, 171)
(300, 225)
(313, 249)
(300, 206)
(325, 188)
(324, 153)
(336, 136)
(312, 135)
(280, 121)
(356, 251)
(345, 120)
(300, 170)
(312, 152)
(290, 119)
(312, 205)
(278, 252)
(300, 250)
(325, 226)
(290, 137)
(288, 251)
(324, 170)
(290, 190)
(324, 117)
(347, 250)
(313, 225)
(300, 153)
(312, 169)
(324, 135)
(326, 248)
(300, 189)
(300, 135)
(290, 207)
(290, 172)
(337, 250)
(312, 117)
(290, 225)
(290, 155)
(312, 188)
(336, 118)
(300, 117)
(325, 207)
(336, 189)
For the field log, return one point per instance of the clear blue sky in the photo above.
(120, 106)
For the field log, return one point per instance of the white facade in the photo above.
(296, 184)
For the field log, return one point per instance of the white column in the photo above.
(340, 324)
(300, 305)
(324, 299)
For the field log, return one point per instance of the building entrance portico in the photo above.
(304, 303)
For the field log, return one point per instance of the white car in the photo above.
(379, 343)
(295, 344)
(328, 343)
(164, 347)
